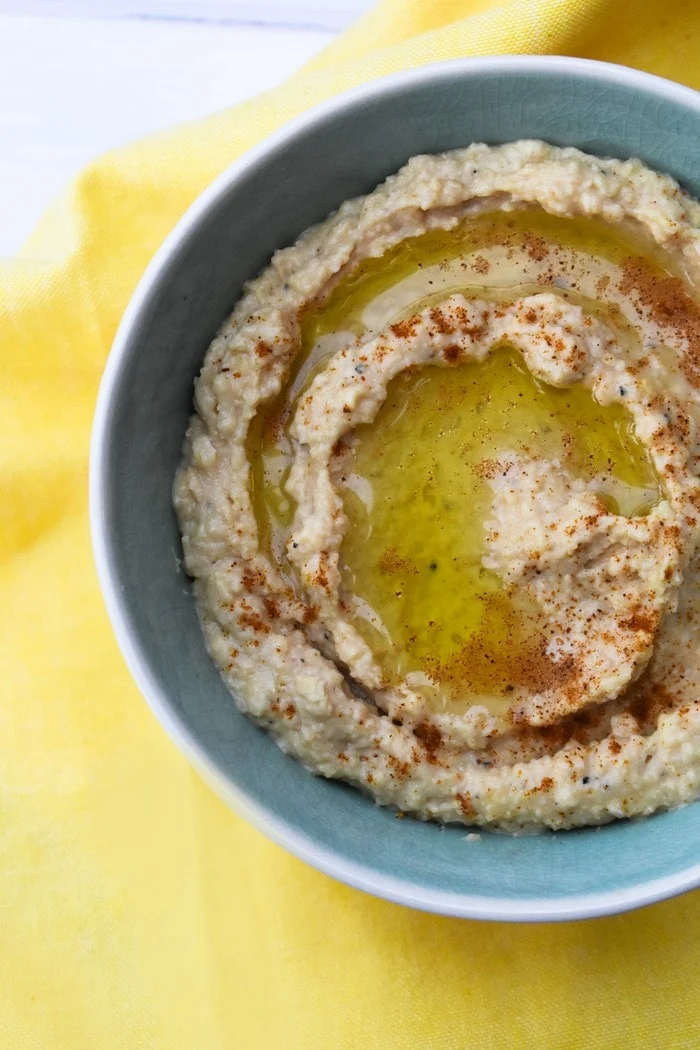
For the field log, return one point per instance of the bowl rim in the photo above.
(462, 905)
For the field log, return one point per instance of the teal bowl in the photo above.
(263, 202)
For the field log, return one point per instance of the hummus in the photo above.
(440, 496)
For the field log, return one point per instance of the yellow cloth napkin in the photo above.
(135, 910)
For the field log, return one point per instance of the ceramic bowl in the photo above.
(263, 202)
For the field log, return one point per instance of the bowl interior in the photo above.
(272, 199)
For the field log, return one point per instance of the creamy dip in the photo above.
(440, 494)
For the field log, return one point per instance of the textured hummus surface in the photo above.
(606, 721)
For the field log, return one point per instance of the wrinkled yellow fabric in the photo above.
(135, 910)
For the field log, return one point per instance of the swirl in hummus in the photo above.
(589, 705)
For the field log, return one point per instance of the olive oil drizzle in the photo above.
(415, 498)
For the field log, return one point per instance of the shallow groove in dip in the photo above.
(415, 487)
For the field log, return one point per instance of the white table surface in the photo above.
(73, 85)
